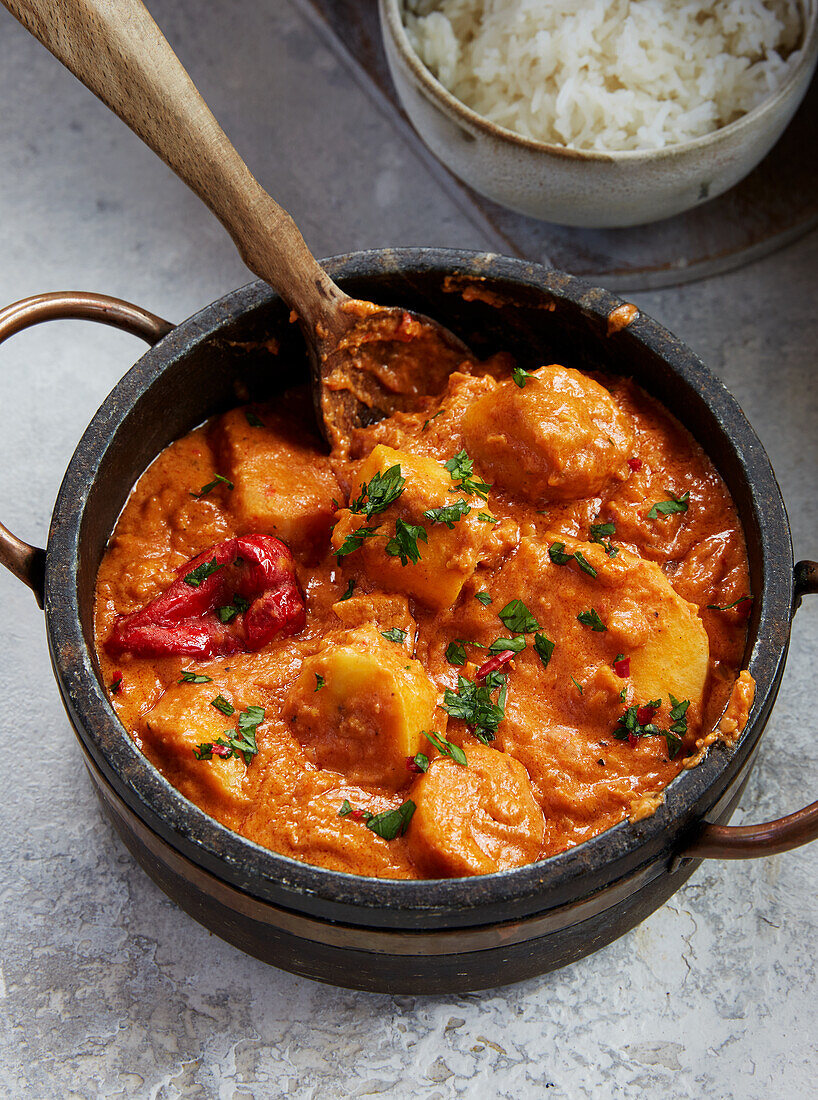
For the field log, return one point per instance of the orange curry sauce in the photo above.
(554, 538)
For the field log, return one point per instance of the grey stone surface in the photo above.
(106, 988)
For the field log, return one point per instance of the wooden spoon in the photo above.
(367, 360)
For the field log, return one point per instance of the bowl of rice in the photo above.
(600, 112)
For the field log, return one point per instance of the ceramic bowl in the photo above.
(584, 188)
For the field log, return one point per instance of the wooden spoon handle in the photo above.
(116, 49)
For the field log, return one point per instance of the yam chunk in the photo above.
(450, 555)
(359, 706)
(283, 484)
(560, 437)
(474, 820)
(182, 719)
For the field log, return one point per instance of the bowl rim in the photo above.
(394, 902)
(393, 25)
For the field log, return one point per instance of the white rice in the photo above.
(608, 74)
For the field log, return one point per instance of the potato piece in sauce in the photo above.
(283, 484)
(559, 437)
(452, 552)
(474, 820)
(359, 706)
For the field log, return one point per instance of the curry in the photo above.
(483, 633)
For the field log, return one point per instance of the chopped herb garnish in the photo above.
(346, 808)
(584, 564)
(220, 703)
(392, 823)
(376, 496)
(520, 376)
(448, 514)
(483, 597)
(116, 684)
(201, 573)
(473, 703)
(602, 531)
(228, 613)
(319, 682)
(578, 686)
(447, 748)
(487, 517)
(419, 762)
(505, 645)
(556, 552)
(592, 619)
(461, 468)
(728, 606)
(242, 745)
(189, 677)
(516, 616)
(668, 507)
(638, 722)
(395, 634)
(426, 423)
(349, 590)
(211, 485)
(456, 652)
(253, 420)
(544, 648)
(355, 541)
(404, 545)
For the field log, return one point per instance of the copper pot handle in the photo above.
(770, 837)
(25, 561)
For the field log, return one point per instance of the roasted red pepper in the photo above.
(622, 667)
(250, 580)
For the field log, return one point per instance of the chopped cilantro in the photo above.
(243, 745)
(520, 376)
(346, 808)
(556, 552)
(592, 619)
(448, 514)
(456, 652)
(349, 590)
(668, 507)
(220, 703)
(578, 686)
(503, 645)
(728, 606)
(426, 423)
(376, 496)
(189, 677)
(483, 597)
(584, 564)
(602, 531)
(421, 761)
(395, 634)
(461, 468)
(253, 420)
(355, 540)
(404, 545)
(201, 573)
(228, 613)
(487, 517)
(544, 648)
(516, 616)
(473, 703)
(319, 682)
(392, 823)
(446, 747)
(211, 485)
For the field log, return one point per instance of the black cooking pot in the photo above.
(394, 936)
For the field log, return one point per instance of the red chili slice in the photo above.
(623, 668)
(220, 750)
(635, 464)
(645, 715)
(358, 815)
(633, 740)
(412, 765)
(493, 663)
(183, 620)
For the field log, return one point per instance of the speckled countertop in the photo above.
(106, 988)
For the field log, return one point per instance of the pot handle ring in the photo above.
(770, 837)
(27, 562)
